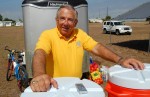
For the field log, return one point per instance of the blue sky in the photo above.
(11, 8)
(96, 8)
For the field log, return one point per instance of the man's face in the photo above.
(66, 22)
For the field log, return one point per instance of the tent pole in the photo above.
(149, 43)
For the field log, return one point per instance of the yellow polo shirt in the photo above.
(64, 57)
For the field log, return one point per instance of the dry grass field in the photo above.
(135, 45)
(14, 38)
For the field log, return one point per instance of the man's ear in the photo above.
(76, 21)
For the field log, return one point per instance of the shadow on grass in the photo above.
(141, 45)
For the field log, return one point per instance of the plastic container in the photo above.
(104, 71)
(67, 88)
(39, 15)
(125, 82)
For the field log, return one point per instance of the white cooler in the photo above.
(124, 82)
(67, 89)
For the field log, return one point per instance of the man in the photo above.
(59, 52)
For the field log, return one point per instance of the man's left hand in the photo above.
(132, 63)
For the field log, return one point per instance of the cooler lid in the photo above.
(130, 78)
(54, 3)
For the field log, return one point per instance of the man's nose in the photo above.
(66, 21)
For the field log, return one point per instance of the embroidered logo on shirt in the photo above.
(78, 43)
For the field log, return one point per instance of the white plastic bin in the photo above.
(67, 89)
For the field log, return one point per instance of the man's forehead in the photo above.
(65, 12)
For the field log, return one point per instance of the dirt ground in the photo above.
(134, 45)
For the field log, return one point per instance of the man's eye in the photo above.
(62, 19)
(71, 20)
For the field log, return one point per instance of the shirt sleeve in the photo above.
(88, 42)
(44, 42)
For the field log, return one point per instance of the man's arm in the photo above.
(39, 62)
(103, 52)
(41, 81)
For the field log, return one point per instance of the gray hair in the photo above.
(69, 7)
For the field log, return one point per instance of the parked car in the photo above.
(116, 27)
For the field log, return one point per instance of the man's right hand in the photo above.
(42, 83)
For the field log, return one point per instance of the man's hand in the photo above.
(131, 63)
(42, 83)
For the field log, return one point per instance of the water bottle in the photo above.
(104, 71)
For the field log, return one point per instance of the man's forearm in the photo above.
(39, 62)
(105, 53)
